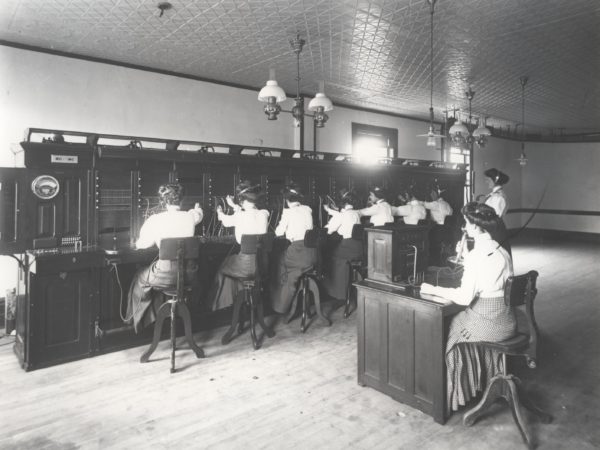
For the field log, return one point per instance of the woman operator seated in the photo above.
(246, 219)
(143, 300)
(487, 317)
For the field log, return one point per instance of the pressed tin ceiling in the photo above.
(371, 54)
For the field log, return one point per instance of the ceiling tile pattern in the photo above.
(371, 54)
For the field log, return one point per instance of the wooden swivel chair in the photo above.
(356, 268)
(520, 290)
(308, 283)
(250, 297)
(179, 250)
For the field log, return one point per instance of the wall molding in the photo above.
(571, 212)
(557, 235)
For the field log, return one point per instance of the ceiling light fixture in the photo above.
(460, 134)
(431, 133)
(272, 95)
(163, 6)
(523, 157)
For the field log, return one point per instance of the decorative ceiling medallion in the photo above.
(45, 187)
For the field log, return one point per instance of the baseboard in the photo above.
(560, 235)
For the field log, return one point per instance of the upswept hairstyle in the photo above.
(349, 198)
(171, 194)
(252, 193)
(483, 216)
(292, 193)
(498, 177)
(378, 191)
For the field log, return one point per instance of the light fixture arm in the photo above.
(523, 157)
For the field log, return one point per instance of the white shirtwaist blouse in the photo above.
(380, 213)
(497, 200)
(295, 221)
(440, 209)
(171, 223)
(246, 221)
(486, 269)
(343, 221)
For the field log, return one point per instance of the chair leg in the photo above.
(260, 316)
(242, 320)
(163, 313)
(292, 312)
(173, 335)
(348, 292)
(235, 317)
(305, 305)
(317, 299)
(249, 298)
(184, 313)
(501, 386)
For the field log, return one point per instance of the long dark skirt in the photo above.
(337, 273)
(145, 295)
(225, 288)
(470, 366)
(289, 265)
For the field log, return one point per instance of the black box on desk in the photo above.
(391, 250)
(444, 276)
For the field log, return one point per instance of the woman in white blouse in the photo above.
(295, 221)
(247, 219)
(342, 222)
(486, 318)
(497, 200)
(412, 212)
(380, 210)
(170, 223)
(440, 234)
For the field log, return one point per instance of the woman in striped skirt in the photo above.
(486, 318)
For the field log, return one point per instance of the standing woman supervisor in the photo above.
(380, 210)
(143, 300)
(247, 219)
(348, 249)
(486, 318)
(296, 258)
(497, 200)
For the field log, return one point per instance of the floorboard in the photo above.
(299, 391)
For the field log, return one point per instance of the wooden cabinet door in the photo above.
(60, 325)
(13, 238)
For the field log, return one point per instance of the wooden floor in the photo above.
(300, 392)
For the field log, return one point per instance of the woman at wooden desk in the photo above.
(486, 318)
(171, 223)
(379, 210)
(247, 219)
(295, 221)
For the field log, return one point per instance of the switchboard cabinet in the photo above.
(54, 323)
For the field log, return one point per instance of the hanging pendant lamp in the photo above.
(431, 136)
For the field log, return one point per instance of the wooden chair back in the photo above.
(521, 290)
(180, 250)
(261, 246)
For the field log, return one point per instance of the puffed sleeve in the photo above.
(197, 214)
(283, 222)
(335, 222)
(228, 220)
(147, 236)
(369, 211)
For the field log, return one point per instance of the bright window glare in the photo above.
(369, 150)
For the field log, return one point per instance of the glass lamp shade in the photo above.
(459, 127)
(271, 89)
(482, 131)
(320, 100)
(430, 141)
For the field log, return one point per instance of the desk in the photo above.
(401, 345)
